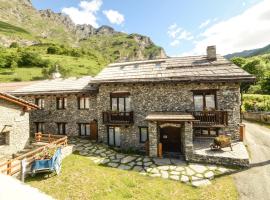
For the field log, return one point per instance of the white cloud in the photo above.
(85, 13)
(204, 24)
(247, 30)
(114, 16)
(177, 34)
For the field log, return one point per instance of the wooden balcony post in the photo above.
(160, 150)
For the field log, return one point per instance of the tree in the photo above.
(13, 65)
(238, 61)
(265, 83)
(254, 67)
(53, 50)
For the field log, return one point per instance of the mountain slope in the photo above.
(42, 39)
(250, 53)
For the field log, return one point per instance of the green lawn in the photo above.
(82, 179)
(20, 74)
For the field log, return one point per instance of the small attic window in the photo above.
(158, 65)
(136, 66)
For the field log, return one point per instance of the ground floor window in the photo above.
(84, 129)
(143, 134)
(114, 136)
(61, 128)
(40, 127)
(205, 132)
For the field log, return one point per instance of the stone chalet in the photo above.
(14, 124)
(172, 101)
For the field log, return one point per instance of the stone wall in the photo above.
(18, 120)
(257, 116)
(146, 98)
(71, 115)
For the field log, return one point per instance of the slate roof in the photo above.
(7, 87)
(54, 86)
(17, 101)
(190, 68)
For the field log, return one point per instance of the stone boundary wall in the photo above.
(218, 160)
(257, 116)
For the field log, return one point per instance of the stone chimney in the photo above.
(56, 74)
(211, 53)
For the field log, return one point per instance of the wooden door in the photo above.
(93, 130)
(170, 137)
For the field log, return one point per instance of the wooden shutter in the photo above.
(94, 130)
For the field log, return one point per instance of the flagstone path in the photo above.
(174, 169)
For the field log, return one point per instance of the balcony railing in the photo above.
(114, 118)
(210, 118)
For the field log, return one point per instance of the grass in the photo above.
(82, 179)
(20, 74)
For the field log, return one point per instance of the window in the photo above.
(83, 102)
(120, 102)
(84, 129)
(61, 103)
(114, 136)
(206, 132)
(143, 134)
(61, 128)
(39, 127)
(40, 102)
(204, 100)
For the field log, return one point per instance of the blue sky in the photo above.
(181, 27)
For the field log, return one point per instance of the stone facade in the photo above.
(17, 135)
(150, 97)
(145, 98)
(50, 116)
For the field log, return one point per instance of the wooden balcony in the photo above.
(210, 118)
(117, 118)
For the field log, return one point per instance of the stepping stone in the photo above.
(178, 162)
(172, 167)
(147, 164)
(200, 183)
(198, 168)
(146, 160)
(105, 161)
(209, 175)
(223, 170)
(155, 175)
(184, 179)
(149, 169)
(137, 168)
(189, 172)
(154, 171)
(195, 178)
(114, 165)
(127, 159)
(164, 174)
(163, 167)
(175, 173)
(139, 159)
(199, 175)
(83, 153)
(103, 155)
(116, 160)
(119, 156)
(124, 167)
(179, 169)
(131, 164)
(175, 177)
(162, 161)
(139, 163)
(212, 167)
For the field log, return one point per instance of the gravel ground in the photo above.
(254, 183)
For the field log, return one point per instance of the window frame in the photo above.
(63, 103)
(64, 128)
(37, 127)
(85, 129)
(140, 132)
(208, 129)
(204, 93)
(41, 104)
(117, 96)
(108, 136)
(84, 102)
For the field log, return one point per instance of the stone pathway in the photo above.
(174, 169)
